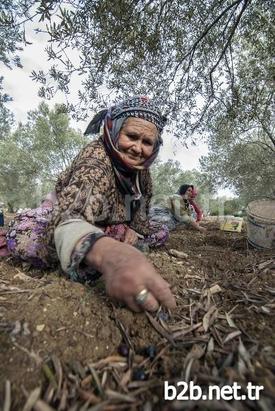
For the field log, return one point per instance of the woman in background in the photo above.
(179, 209)
(184, 209)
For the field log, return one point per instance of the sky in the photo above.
(24, 91)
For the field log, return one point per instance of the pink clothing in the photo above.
(198, 210)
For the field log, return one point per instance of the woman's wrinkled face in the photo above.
(136, 140)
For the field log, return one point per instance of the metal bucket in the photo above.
(261, 224)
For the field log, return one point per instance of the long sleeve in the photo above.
(197, 209)
(67, 235)
(84, 194)
(88, 201)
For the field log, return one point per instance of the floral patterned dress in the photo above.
(87, 190)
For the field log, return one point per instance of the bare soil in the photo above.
(66, 346)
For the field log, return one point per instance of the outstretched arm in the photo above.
(126, 272)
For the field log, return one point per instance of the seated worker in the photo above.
(99, 210)
(180, 206)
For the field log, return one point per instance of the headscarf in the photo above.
(183, 188)
(113, 119)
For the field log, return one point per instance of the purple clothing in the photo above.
(27, 241)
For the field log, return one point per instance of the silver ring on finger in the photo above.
(142, 296)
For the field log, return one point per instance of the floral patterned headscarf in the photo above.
(113, 120)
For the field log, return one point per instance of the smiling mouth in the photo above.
(132, 157)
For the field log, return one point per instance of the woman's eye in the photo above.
(148, 142)
(132, 136)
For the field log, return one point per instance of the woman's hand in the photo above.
(126, 272)
(130, 237)
(197, 227)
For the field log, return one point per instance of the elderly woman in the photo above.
(103, 197)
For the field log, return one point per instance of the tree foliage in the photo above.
(49, 136)
(6, 117)
(208, 63)
(203, 60)
(220, 206)
(13, 15)
(34, 154)
(247, 167)
(168, 177)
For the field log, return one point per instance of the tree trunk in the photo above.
(10, 208)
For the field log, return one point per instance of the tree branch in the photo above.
(207, 105)
(262, 144)
(228, 42)
(268, 133)
(204, 34)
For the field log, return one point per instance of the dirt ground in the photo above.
(66, 346)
